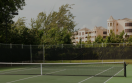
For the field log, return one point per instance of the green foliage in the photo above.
(88, 39)
(112, 38)
(19, 32)
(7, 7)
(99, 39)
(57, 27)
(80, 41)
(130, 39)
(53, 28)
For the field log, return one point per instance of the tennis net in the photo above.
(66, 69)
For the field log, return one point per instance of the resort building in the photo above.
(85, 32)
(119, 25)
(116, 26)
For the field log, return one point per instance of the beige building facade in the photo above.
(85, 32)
(119, 25)
(116, 26)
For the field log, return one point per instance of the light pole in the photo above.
(6, 23)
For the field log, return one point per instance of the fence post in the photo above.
(10, 45)
(123, 44)
(22, 46)
(43, 54)
(62, 45)
(30, 53)
(62, 55)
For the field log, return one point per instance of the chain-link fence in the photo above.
(61, 53)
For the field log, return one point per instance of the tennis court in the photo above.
(63, 73)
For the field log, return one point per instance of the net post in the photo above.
(41, 69)
(124, 69)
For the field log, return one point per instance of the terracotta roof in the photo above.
(127, 19)
(100, 27)
(84, 29)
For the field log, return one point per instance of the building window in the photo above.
(82, 37)
(104, 36)
(128, 30)
(108, 31)
(86, 32)
(128, 24)
(79, 33)
(116, 30)
(117, 24)
(104, 32)
(95, 31)
(92, 36)
(110, 24)
(82, 33)
(76, 37)
(126, 36)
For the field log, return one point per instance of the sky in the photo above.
(89, 13)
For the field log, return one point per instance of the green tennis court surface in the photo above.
(65, 79)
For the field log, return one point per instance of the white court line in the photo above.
(95, 75)
(11, 69)
(112, 76)
(33, 76)
(56, 71)
(17, 70)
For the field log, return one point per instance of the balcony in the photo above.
(128, 33)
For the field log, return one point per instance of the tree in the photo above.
(80, 40)
(7, 7)
(99, 39)
(112, 38)
(88, 39)
(57, 26)
(20, 34)
(130, 39)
